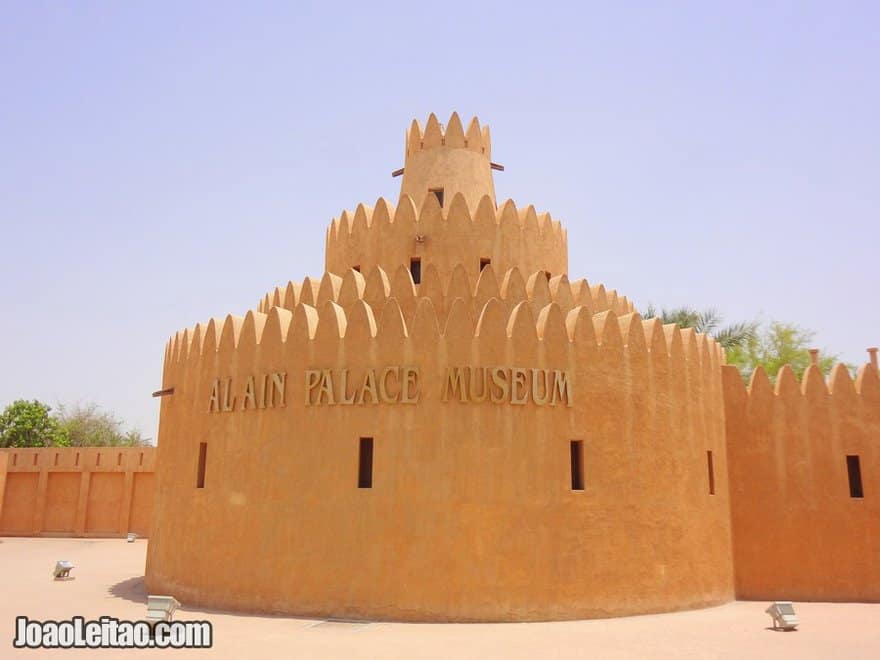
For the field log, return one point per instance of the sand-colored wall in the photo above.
(76, 491)
(448, 158)
(471, 515)
(797, 533)
(375, 286)
(459, 233)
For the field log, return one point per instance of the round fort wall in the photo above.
(471, 514)
(445, 237)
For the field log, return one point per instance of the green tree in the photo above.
(708, 321)
(29, 424)
(775, 346)
(89, 426)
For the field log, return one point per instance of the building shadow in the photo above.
(133, 589)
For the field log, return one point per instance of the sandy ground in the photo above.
(109, 582)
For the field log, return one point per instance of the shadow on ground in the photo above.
(132, 589)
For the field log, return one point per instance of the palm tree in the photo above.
(708, 321)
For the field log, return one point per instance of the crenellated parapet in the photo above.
(449, 160)
(456, 233)
(496, 322)
(376, 286)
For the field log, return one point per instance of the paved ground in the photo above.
(109, 582)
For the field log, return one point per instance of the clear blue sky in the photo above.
(162, 163)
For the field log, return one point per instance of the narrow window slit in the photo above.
(203, 455)
(854, 472)
(415, 269)
(577, 465)
(365, 463)
(710, 464)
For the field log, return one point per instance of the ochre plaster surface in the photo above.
(76, 491)
(471, 515)
(797, 532)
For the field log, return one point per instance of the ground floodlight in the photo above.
(782, 613)
(132, 537)
(161, 608)
(62, 570)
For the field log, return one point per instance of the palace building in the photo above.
(447, 425)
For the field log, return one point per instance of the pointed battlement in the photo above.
(447, 236)
(447, 160)
(395, 323)
(376, 286)
(451, 135)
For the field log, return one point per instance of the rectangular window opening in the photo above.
(854, 471)
(438, 193)
(98, 460)
(484, 263)
(415, 269)
(203, 455)
(35, 458)
(119, 459)
(141, 460)
(76, 462)
(14, 460)
(56, 458)
(710, 464)
(365, 463)
(577, 465)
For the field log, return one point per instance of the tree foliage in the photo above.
(32, 424)
(89, 426)
(708, 322)
(751, 343)
(775, 346)
(29, 424)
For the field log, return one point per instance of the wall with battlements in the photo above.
(532, 449)
(798, 532)
(471, 514)
(447, 215)
(76, 491)
(448, 158)
(376, 286)
(448, 236)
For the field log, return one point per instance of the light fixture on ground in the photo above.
(161, 608)
(62, 570)
(782, 613)
(132, 537)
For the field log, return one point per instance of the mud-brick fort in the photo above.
(447, 426)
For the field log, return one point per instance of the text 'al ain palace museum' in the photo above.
(447, 426)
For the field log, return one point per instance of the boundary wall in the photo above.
(76, 491)
(798, 531)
